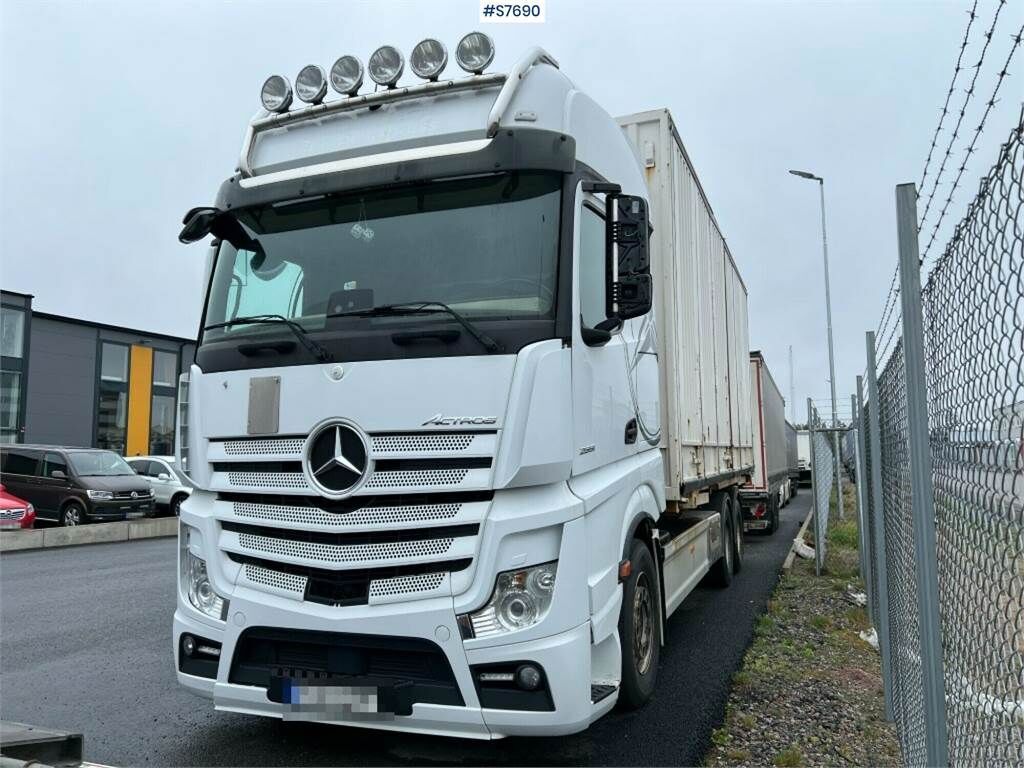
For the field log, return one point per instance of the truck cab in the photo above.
(424, 420)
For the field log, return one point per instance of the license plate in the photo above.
(332, 702)
(755, 525)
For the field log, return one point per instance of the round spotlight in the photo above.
(386, 65)
(428, 58)
(528, 677)
(188, 645)
(475, 52)
(276, 94)
(311, 84)
(347, 75)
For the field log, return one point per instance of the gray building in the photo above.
(67, 381)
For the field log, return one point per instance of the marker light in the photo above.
(475, 52)
(311, 84)
(428, 58)
(386, 65)
(276, 94)
(347, 75)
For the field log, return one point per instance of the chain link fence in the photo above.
(822, 478)
(942, 430)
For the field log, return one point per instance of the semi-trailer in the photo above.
(768, 489)
(792, 459)
(803, 448)
(470, 407)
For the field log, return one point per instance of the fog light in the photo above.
(188, 645)
(528, 677)
(495, 677)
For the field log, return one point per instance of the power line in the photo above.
(963, 111)
(952, 83)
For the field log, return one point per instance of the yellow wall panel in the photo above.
(140, 396)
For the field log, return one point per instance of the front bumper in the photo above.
(560, 644)
(120, 510)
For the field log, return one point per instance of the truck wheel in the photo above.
(722, 570)
(175, 505)
(773, 515)
(639, 630)
(737, 534)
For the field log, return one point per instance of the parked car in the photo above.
(75, 485)
(169, 488)
(15, 512)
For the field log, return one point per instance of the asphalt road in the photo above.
(85, 646)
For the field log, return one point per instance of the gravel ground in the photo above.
(810, 690)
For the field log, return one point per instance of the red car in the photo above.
(15, 512)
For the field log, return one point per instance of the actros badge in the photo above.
(440, 420)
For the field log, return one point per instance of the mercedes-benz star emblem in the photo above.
(336, 458)
(135, 494)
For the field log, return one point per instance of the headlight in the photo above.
(276, 94)
(386, 65)
(311, 84)
(428, 59)
(475, 52)
(520, 599)
(100, 495)
(347, 75)
(195, 580)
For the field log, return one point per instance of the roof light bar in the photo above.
(347, 75)
(311, 84)
(428, 59)
(475, 52)
(386, 65)
(276, 94)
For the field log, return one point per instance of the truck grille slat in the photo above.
(345, 554)
(368, 517)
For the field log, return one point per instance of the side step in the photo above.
(599, 692)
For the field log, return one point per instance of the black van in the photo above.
(75, 485)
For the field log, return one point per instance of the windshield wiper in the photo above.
(414, 307)
(322, 355)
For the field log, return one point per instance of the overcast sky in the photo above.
(119, 116)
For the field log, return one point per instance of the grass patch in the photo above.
(820, 622)
(720, 736)
(845, 535)
(737, 755)
(789, 757)
(764, 625)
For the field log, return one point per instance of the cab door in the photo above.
(54, 481)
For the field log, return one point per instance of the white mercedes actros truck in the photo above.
(470, 405)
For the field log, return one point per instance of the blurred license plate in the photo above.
(755, 525)
(331, 702)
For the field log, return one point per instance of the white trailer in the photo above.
(803, 450)
(462, 435)
(768, 489)
(792, 458)
(701, 304)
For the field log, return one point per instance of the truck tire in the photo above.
(723, 569)
(737, 510)
(773, 518)
(639, 629)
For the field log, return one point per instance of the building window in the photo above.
(112, 410)
(12, 366)
(161, 426)
(114, 362)
(12, 332)
(10, 406)
(165, 369)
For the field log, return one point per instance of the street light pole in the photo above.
(831, 353)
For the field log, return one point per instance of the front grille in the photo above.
(345, 587)
(414, 520)
(405, 670)
(12, 514)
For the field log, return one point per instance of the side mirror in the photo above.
(198, 224)
(163, 476)
(58, 474)
(627, 244)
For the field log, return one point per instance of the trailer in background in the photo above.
(803, 456)
(792, 458)
(769, 488)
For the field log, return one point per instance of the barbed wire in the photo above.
(977, 133)
(971, 16)
(969, 93)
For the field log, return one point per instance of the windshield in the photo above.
(92, 463)
(485, 246)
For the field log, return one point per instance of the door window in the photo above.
(165, 369)
(592, 267)
(54, 462)
(140, 466)
(18, 461)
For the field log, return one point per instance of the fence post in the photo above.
(922, 496)
(858, 471)
(814, 486)
(874, 442)
(867, 565)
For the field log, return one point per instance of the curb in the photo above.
(95, 533)
(788, 562)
